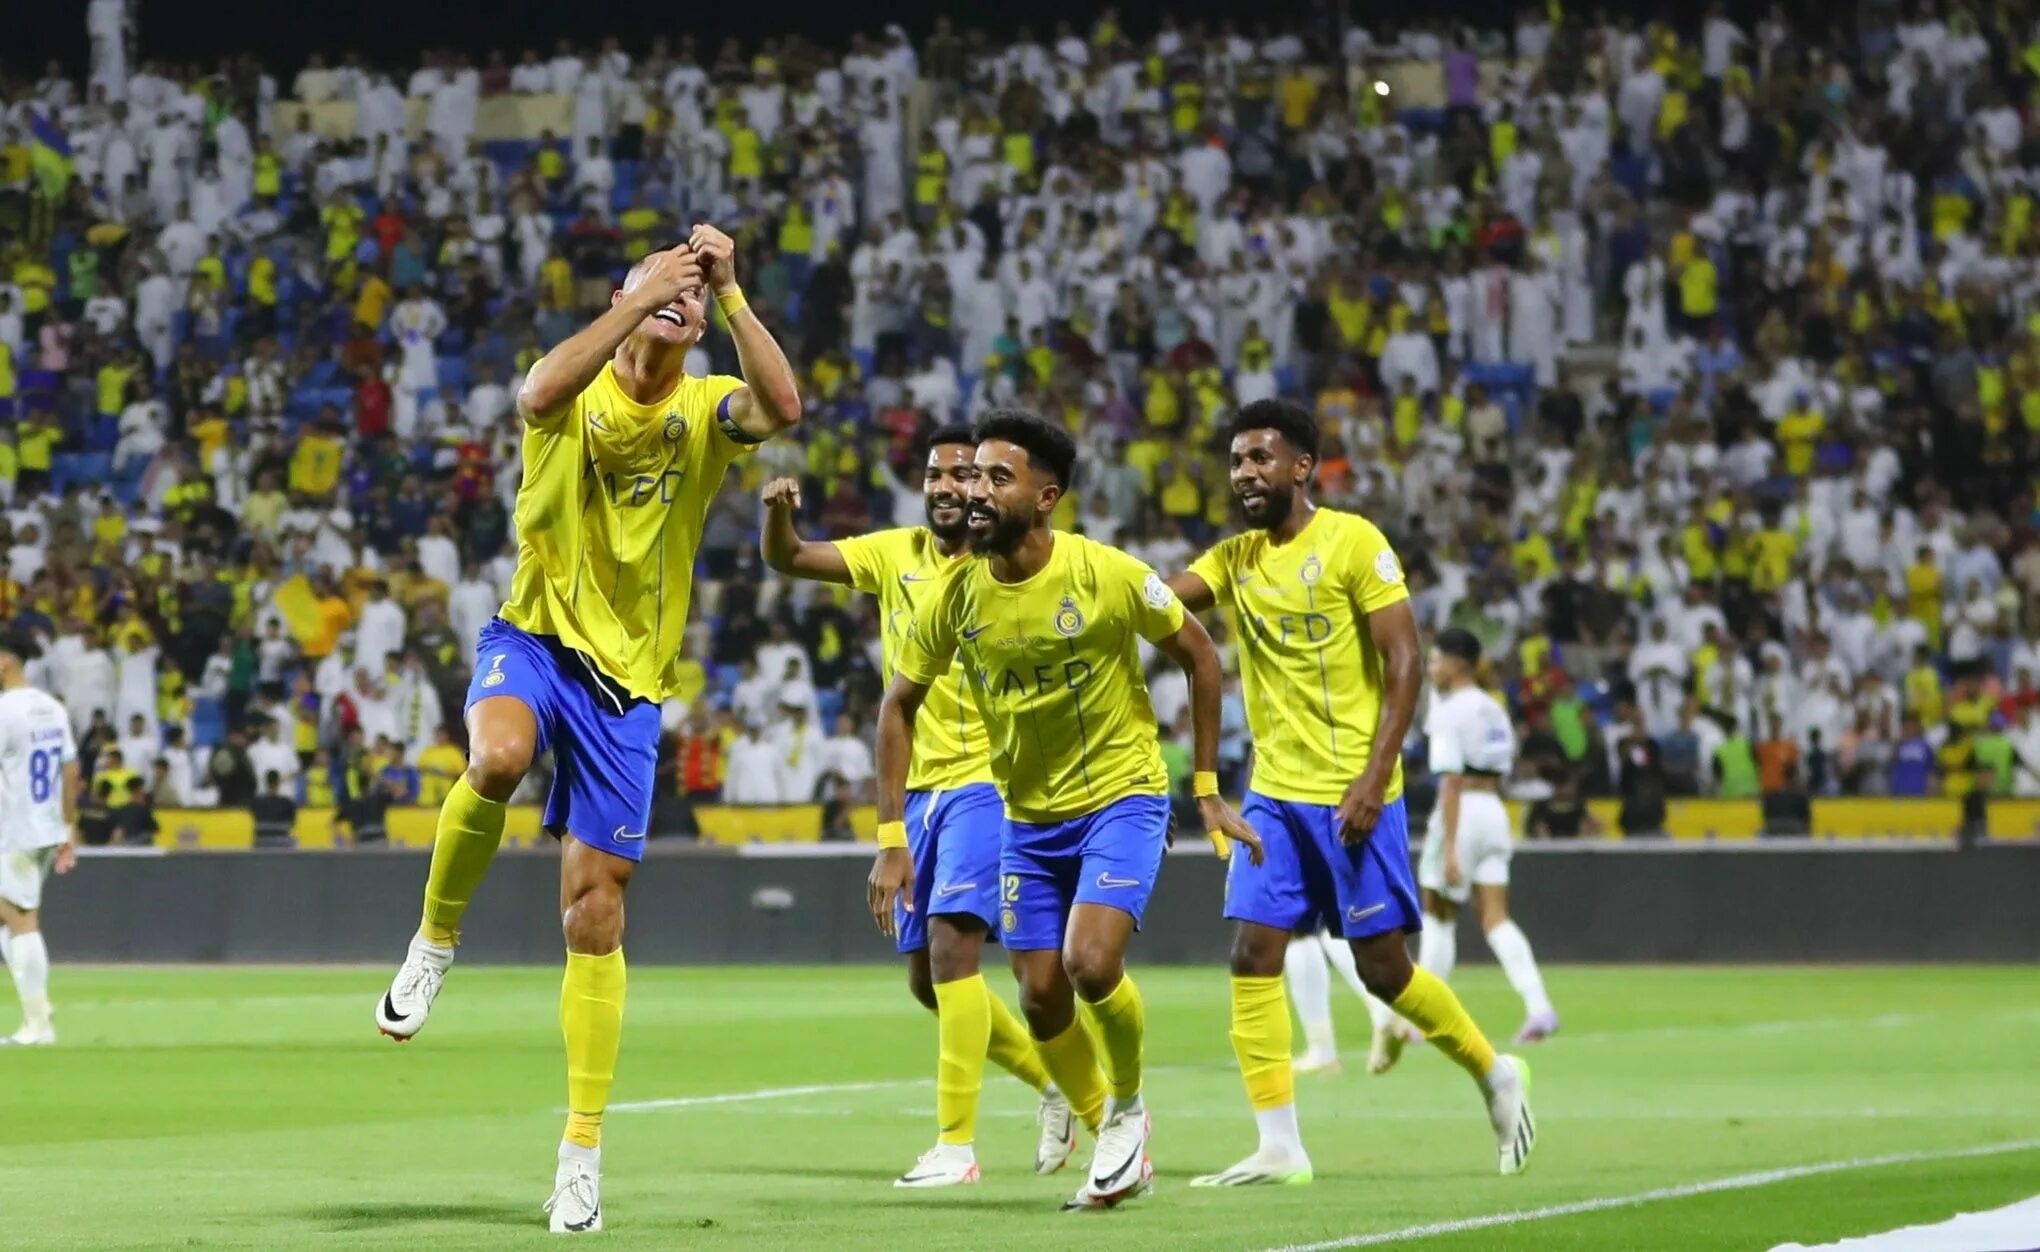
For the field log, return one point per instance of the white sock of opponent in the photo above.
(1310, 987)
(6, 945)
(1438, 947)
(1512, 948)
(1339, 954)
(29, 961)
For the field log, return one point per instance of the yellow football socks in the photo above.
(470, 828)
(1010, 1047)
(1429, 1005)
(963, 1029)
(1072, 1061)
(1261, 1041)
(591, 1018)
(1120, 1021)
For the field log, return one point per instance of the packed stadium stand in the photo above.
(1694, 369)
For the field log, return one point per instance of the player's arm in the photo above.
(783, 548)
(74, 784)
(924, 656)
(892, 874)
(1192, 649)
(1393, 628)
(769, 401)
(1204, 584)
(565, 372)
(1193, 591)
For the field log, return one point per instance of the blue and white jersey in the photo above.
(35, 745)
(1469, 732)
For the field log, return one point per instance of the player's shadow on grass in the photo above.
(344, 1217)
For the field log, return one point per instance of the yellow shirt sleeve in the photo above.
(865, 557)
(1377, 574)
(931, 638)
(1157, 613)
(1214, 568)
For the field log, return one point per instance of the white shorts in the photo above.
(1484, 846)
(21, 876)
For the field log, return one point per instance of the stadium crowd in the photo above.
(1696, 371)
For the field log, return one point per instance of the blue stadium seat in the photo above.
(453, 372)
(208, 722)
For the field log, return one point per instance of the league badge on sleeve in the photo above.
(1386, 568)
(1157, 592)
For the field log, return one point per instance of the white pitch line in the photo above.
(768, 1093)
(1738, 1182)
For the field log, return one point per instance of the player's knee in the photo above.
(497, 763)
(921, 982)
(1383, 964)
(1094, 970)
(593, 920)
(1259, 951)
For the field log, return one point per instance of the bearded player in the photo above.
(1046, 628)
(1331, 667)
(953, 817)
(623, 451)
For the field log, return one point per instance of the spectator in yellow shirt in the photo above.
(315, 464)
(1798, 433)
(1923, 591)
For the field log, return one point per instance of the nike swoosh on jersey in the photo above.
(915, 578)
(970, 636)
(1243, 580)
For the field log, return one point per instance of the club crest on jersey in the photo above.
(676, 428)
(1069, 623)
(1312, 570)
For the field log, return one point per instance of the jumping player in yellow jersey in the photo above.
(1331, 667)
(623, 452)
(1046, 627)
(953, 817)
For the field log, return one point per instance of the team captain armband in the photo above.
(729, 426)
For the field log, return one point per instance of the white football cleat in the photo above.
(944, 1165)
(402, 1010)
(1313, 1062)
(1508, 1101)
(576, 1204)
(1089, 1200)
(1058, 1124)
(1387, 1049)
(31, 1037)
(1262, 1169)
(1119, 1166)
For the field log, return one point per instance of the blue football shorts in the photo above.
(604, 741)
(1110, 857)
(1309, 879)
(953, 837)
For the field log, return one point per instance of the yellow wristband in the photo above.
(1220, 844)
(892, 834)
(1204, 783)
(731, 303)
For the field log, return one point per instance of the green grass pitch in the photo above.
(257, 1108)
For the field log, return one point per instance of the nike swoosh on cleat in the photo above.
(1105, 1185)
(389, 1009)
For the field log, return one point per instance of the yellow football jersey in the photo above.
(609, 519)
(1308, 666)
(904, 569)
(1054, 666)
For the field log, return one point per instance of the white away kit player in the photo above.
(1466, 845)
(38, 830)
